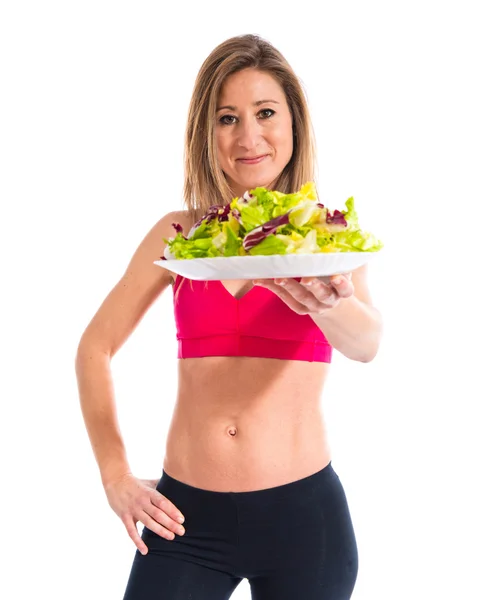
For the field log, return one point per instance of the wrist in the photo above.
(114, 474)
(332, 313)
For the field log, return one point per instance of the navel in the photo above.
(232, 431)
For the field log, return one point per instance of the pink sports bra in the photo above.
(211, 322)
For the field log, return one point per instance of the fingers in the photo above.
(343, 285)
(161, 510)
(160, 501)
(167, 530)
(320, 294)
(154, 519)
(138, 501)
(134, 535)
(324, 279)
(311, 294)
(284, 294)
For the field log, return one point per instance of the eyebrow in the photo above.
(258, 103)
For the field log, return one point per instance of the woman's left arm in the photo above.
(342, 309)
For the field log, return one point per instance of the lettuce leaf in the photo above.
(270, 222)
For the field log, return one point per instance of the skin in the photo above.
(274, 406)
(256, 397)
(321, 296)
(253, 119)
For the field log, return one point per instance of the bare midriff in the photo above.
(244, 424)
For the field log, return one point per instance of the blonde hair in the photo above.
(204, 181)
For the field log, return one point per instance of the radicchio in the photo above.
(179, 229)
(218, 211)
(336, 219)
(258, 234)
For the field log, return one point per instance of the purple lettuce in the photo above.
(179, 229)
(216, 211)
(336, 219)
(260, 233)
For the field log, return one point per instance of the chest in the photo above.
(237, 288)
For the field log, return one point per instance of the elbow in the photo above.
(371, 352)
(363, 357)
(86, 351)
(367, 358)
(372, 348)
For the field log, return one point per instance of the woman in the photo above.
(247, 463)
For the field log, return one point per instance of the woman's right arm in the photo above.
(111, 326)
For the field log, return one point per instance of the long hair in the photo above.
(204, 181)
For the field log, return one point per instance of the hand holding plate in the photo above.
(311, 295)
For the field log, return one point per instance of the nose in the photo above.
(248, 134)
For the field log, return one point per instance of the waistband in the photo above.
(291, 489)
(243, 345)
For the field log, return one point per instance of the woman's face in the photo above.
(253, 130)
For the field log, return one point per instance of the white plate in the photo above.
(268, 267)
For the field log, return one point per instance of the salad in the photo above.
(265, 222)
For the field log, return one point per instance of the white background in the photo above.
(93, 106)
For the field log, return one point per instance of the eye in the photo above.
(227, 120)
(266, 113)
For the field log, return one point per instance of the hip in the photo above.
(304, 525)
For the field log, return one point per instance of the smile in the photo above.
(252, 161)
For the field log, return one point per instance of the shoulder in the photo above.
(164, 225)
(155, 241)
(142, 282)
(183, 217)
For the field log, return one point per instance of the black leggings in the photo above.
(292, 542)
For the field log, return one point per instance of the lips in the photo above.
(252, 160)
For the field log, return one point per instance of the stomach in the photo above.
(245, 424)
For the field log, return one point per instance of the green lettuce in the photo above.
(268, 222)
